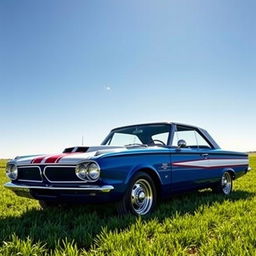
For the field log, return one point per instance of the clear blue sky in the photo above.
(73, 68)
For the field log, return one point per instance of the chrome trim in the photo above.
(88, 173)
(89, 162)
(67, 181)
(8, 166)
(26, 188)
(226, 183)
(72, 166)
(38, 181)
(142, 196)
(88, 178)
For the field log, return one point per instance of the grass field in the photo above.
(199, 223)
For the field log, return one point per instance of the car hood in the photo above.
(72, 155)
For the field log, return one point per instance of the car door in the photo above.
(189, 162)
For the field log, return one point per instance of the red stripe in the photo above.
(58, 159)
(51, 159)
(38, 160)
(55, 158)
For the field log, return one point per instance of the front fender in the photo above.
(137, 168)
(118, 171)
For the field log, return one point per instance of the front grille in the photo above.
(28, 173)
(61, 174)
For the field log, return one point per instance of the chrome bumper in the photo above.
(26, 188)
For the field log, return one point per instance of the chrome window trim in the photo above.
(199, 131)
(38, 181)
(67, 181)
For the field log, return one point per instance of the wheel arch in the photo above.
(231, 172)
(151, 172)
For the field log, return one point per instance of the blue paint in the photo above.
(174, 169)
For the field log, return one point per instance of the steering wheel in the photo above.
(161, 142)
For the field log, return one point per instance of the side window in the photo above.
(202, 143)
(188, 136)
(192, 137)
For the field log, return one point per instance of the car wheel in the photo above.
(225, 185)
(140, 197)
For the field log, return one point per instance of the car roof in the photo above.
(203, 131)
(169, 123)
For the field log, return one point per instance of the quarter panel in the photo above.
(191, 170)
(221, 161)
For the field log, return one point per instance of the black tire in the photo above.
(225, 185)
(141, 196)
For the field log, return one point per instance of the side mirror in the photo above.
(182, 144)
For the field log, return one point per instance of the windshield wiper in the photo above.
(136, 145)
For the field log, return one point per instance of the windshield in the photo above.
(139, 135)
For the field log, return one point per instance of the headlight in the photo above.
(93, 171)
(81, 171)
(88, 171)
(12, 171)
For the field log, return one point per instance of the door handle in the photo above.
(205, 156)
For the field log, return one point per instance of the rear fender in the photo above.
(231, 171)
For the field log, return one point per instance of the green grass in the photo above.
(199, 223)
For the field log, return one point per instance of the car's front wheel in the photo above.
(140, 197)
(225, 186)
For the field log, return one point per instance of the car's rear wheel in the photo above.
(225, 186)
(140, 197)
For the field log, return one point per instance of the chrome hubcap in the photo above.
(226, 183)
(141, 197)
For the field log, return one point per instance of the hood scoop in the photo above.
(101, 149)
(76, 150)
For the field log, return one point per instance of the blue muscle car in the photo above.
(134, 167)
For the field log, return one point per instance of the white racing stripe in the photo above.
(209, 163)
(76, 158)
